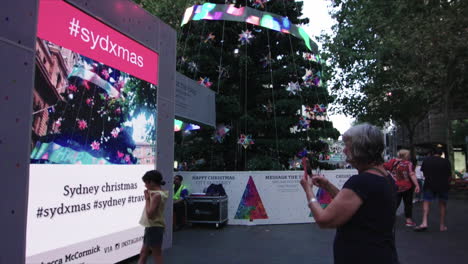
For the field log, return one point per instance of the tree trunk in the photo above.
(448, 131)
(411, 146)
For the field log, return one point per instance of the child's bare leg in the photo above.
(144, 253)
(157, 255)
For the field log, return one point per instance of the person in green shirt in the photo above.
(180, 192)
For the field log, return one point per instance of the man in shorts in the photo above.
(438, 174)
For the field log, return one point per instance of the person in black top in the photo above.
(438, 174)
(363, 212)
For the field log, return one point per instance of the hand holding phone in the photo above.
(320, 181)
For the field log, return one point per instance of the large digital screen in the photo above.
(93, 137)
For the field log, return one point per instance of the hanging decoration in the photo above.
(245, 37)
(267, 107)
(82, 125)
(245, 140)
(115, 132)
(259, 3)
(312, 57)
(220, 133)
(303, 123)
(317, 82)
(317, 112)
(205, 82)
(209, 38)
(320, 109)
(192, 66)
(95, 145)
(266, 61)
(72, 88)
(294, 163)
(303, 153)
(308, 78)
(222, 72)
(293, 88)
(229, 12)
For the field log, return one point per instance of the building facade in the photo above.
(53, 64)
(432, 132)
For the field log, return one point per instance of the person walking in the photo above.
(402, 171)
(420, 178)
(363, 212)
(438, 174)
(152, 217)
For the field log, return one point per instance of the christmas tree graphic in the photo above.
(324, 198)
(251, 206)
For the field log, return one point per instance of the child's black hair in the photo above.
(153, 176)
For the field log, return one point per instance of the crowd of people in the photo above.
(363, 212)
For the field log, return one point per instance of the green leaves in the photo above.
(395, 59)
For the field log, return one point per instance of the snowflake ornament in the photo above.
(293, 88)
(90, 102)
(303, 123)
(222, 72)
(58, 123)
(317, 81)
(259, 3)
(85, 84)
(266, 61)
(245, 140)
(72, 88)
(245, 37)
(115, 132)
(82, 125)
(105, 74)
(308, 78)
(205, 82)
(95, 145)
(192, 66)
(209, 38)
(220, 133)
(268, 107)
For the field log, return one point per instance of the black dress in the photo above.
(368, 237)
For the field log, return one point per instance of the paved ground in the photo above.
(306, 243)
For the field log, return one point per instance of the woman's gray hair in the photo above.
(367, 144)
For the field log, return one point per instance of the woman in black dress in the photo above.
(363, 212)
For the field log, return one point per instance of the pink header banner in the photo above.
(67, 26)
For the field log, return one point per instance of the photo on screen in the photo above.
(86, 112)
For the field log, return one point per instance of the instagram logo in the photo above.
(104, 43)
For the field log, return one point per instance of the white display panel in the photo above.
(264, 197)
(93, 138)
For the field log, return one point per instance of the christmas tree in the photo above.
(271, 104)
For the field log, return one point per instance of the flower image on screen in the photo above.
(86, 112)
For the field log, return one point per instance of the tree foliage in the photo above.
(169, 11)
(397, 60)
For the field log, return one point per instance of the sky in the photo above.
(320, 20)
